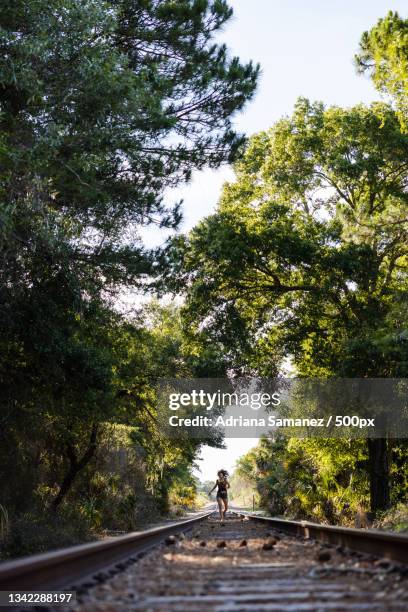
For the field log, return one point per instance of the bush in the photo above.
(395, 519)
(30, 534)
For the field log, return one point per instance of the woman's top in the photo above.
(222, 486)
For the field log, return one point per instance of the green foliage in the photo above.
(104, 104)
(122, 100)
(384, 56)
(395, 519)
(306, 252)
(243, 492)
(4, 522)
(32, 533)
(183, 490)
(306, 255)
(321, 480)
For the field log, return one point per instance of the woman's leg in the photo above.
(219, 500)
(225, 500)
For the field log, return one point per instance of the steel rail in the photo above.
(387, 545)
(63, 568)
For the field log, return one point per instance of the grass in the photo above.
(395, 519)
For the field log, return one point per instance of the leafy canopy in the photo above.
(104, 104)
(307, 251)
(384, 56)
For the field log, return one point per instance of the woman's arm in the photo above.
(213, 488)
(227, 484)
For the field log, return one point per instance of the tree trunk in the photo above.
(76, 465)
(379, 474)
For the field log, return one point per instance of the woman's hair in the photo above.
(223, 473)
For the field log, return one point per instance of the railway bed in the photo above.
(250, 564)
(238, 567)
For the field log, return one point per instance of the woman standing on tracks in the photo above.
(222, 492)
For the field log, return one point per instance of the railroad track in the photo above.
(63, 568)
(251, 563)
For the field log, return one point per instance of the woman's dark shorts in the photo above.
(222, 494)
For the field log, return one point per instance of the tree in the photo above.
(308, 249)
(155, 347)
(307, 479)
(104, 104)
(384, 56)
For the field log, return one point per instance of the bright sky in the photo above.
(305, 48)
(214, 459)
